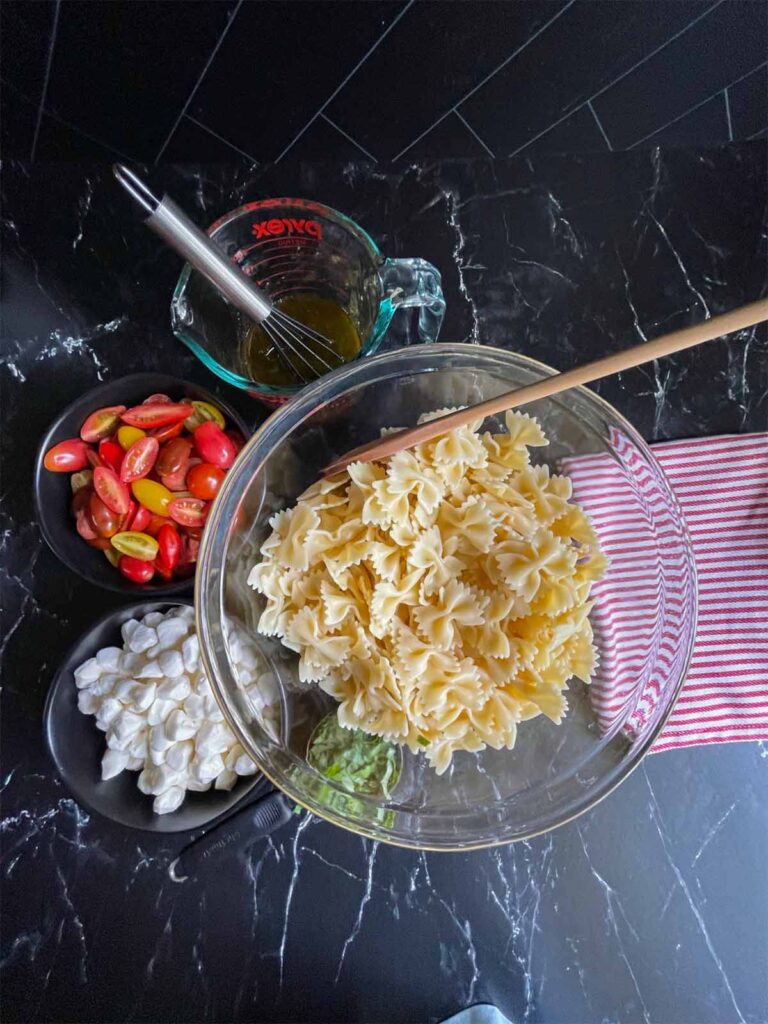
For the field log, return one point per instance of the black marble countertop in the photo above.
(652, 907)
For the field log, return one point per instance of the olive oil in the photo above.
(262, 362)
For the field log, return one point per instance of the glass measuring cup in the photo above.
(299, 246)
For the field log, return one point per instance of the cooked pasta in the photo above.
(441, 596)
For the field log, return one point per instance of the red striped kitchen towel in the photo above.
(722, 486)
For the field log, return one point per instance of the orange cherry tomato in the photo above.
(204, 480)
(167, 433)
(101, 423)
(156, 414)
(188, 511)
(67, 456)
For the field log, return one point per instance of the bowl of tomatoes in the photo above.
(125, 478)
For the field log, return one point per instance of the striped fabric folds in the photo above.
(721, 484)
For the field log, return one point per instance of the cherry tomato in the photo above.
(101, 423)
(157, 399)
(156, 414)
(135, 569)
(166, 433)
(111, 489)
(94, 458)
(100, 543)
(169, 543)
(152, 496)
(161, 570)
(204, 480)
(137, 545)
(84, 524)
(126, 436)
(139, 459)
(106, 523)
(67, 456)
(204, 411)
(174, 455)
(155, 523)
(214, 445)
(190, 549)
(112, 556)
(83, 478)
(139, 520)
(175, 481)
(80, 499)
(188, 511)
(111, 454)
(236, 438)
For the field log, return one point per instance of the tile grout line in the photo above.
(728, 113)
(348, 137)
(194, 120)
(622, 76)
(199, 81)
(353, 72)
(487, 78)
(48, 65)
(469, 128)
(696, 106)
(599, 124)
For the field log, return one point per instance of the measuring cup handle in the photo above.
(416, 283)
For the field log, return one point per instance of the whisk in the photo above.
(299, 348)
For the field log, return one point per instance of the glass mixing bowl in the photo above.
(644, 618)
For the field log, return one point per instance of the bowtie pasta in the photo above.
(441, 596)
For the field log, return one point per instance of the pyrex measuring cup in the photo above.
(295, 245)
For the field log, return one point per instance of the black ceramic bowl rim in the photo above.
(76, 746)
(89, 563)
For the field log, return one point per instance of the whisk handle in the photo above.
(174, 227)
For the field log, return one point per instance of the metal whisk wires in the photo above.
(302, 350)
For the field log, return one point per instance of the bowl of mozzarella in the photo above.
(508, 610)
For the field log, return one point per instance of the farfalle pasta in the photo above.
(441, 596)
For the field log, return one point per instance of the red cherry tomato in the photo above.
(140, 520)
(161, 570)
(214, 445)
(100, 543)
(175, 481)
(157, 399)
(167, 433)
(204, 480)
(170, 546)
(106, 523)
(188, 511)
(84, 525)
(111, 489)
(155, 523)
(67, 456)
(135, 569)
(139, 459)
(174, 455)
(111, 454)
(156, 415)
(94, 459)
(101, 423)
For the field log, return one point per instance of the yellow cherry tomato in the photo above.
(112, 556)
(152, 496)
(126, 436)
(204, 411)
(137, 545)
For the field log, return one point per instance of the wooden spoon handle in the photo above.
(657, 348)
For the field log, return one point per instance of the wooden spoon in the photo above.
(667, 345)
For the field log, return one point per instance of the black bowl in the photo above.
(77, 746)
(53, 492)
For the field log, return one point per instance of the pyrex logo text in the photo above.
(286, 226)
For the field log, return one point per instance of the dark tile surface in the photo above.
(323, 141)
(25, 30)
(579, 133)
(123, 71)
(652, 906)
(434, 56)
(59, 141)
(589, 46)
(723, 46)
(706, 125)
(450, 136)
(280, 63)
(194, 141)
(749, 104)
